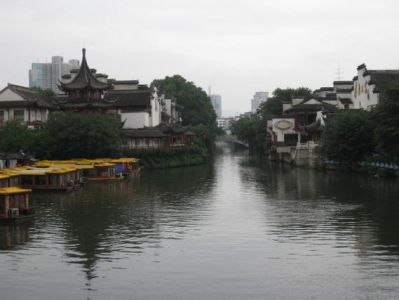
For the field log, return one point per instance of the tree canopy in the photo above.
(196, 107)
(69, 135)
(348, 137)
(15, 137)
(386, 121)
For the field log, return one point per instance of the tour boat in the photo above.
(52, 178)
(126, 166)
(102, 171)
(14, 204)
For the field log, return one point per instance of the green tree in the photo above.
(386, 121)
(348, 137)
(90, 135)
(15, 137)
(195, 105)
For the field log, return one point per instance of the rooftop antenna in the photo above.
(338, 73)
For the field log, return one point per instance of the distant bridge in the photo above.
(232, 139)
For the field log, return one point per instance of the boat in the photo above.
(14, 204)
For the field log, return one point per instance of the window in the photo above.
(1, 117)
(19, 115)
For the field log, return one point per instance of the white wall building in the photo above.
(369, 85)
(257, 99)
(23, 104)
(137, 105)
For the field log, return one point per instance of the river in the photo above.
(233, 229)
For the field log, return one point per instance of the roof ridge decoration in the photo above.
(84, 79)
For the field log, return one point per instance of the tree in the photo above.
(286, 95)
(386, 121)
(90, 135)
(195, 105)
(348, 137)
(15, 137)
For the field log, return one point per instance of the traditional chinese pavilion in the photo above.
(85, 90)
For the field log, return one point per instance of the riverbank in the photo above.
(174, 159)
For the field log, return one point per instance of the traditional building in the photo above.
(370, 85)
(23, 104)
(136, 105)
(84, 91)
(296, 134)
(166, 138)
(338, 95)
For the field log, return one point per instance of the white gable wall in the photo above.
(9, 95)
(362, 94)
(134, 120)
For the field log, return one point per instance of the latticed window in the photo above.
(19, 115)
(1, 117)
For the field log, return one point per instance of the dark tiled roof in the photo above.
(101, 75)
(89, 105)
(303, 107)
(84, 79)
(314, 127)
(331, 96)
(384, 79)
(129, 98)
(362, 66)
(32, 98)
(179, 130)
(143, 133)
(345, 100)
(345, 91)
(327, 89)
(345, 82)
(15, 155)
(124, 81)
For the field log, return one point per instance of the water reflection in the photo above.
(110, 221)
(13, 236)
(302, 204)
(230, 230)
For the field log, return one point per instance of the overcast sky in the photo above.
(237, 47)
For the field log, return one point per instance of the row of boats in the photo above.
(55, 175)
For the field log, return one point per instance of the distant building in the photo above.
(224, 123)
(217, 104)
(257, 99)
(47, 75)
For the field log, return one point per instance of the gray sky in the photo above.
(237, 47)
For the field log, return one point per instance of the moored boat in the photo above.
(14, 204)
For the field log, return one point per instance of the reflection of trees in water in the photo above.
(305, 203)
(14, 236)
(106, 220)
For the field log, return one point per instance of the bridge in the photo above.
(232, 139)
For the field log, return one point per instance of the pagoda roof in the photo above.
(84, 79)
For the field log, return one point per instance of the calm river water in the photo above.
(228, 230)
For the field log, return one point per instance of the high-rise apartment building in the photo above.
(47, 75)
(217, 104)
(257, 99)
